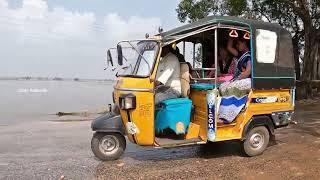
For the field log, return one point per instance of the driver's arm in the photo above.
(166, 70)
(164, 75)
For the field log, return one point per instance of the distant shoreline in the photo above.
(27, 78)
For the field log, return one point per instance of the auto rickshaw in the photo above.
(193, 117)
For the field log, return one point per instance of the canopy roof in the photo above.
(211, 20)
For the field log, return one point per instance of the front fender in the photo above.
(108, 123)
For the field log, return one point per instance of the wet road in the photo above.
(49, 149)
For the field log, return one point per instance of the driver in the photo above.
(168, 85)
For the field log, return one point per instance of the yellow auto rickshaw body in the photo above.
(139, 122)
(143, 115)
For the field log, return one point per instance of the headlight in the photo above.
(127, 101)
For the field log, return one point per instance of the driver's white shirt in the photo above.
(168, 72)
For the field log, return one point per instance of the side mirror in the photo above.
(109, 58)
(120, 56)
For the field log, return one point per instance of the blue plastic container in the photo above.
(173, 114)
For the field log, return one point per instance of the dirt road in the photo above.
(295, 155)
(47, 150)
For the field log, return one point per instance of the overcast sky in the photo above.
(68, 38)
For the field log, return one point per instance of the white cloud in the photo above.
(135, 27)
(41, 41)
(34, 20)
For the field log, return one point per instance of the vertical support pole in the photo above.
(216, 57)
(184, 48)
(194, 54)
(217, 97)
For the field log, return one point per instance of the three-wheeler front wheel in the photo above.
(257, 140)
(108, 146)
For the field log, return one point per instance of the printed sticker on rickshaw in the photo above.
(271, 99)
(180, 127)
(132, 128)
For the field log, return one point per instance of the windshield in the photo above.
(139, 57)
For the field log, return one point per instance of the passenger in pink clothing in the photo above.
(226, 63)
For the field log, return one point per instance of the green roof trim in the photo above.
(210, 20)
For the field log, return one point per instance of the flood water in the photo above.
(22, 101)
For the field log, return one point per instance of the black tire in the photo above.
(108, 146)
(257, 140)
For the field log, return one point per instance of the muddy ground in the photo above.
(50, 149)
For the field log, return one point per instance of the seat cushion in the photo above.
(202, 86)
(177, 101)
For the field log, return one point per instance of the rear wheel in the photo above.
(108, 146)
(256, 141)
